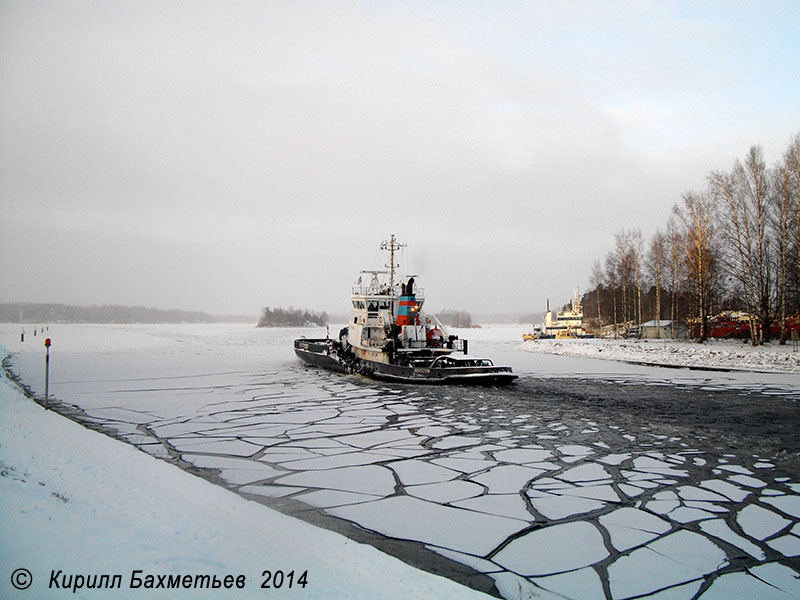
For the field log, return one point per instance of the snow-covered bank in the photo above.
(81, 503)
(714, 354)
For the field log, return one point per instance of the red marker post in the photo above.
(47, 369)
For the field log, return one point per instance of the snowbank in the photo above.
(714, 354)
(81, 503)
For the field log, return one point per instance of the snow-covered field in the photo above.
(714, 354)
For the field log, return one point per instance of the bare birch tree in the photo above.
(697, 217)
(627, 262)
(621, 265)
(791, 162)
(656, 264)
(597, 282)
(637, 251)
(612, 283)
(784, 208)
(745, 193)
(675, 243)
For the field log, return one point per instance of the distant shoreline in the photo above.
(33, 313)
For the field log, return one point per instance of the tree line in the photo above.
(455, 318)
(29, 312)
(291, 317)
(733, 246)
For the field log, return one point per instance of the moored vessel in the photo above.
(564, 324)
(389, 338)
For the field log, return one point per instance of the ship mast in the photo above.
(391, 246)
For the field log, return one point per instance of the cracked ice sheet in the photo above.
(760, 523)
(767, 582)
(281, 454)
(602, 493)
(679, 592)
(788, 545)
(789, 505)
(464, 465)
(747, 481)
(583, 584)
(408, 518)
(652, 465)
(322, 463)
(456, 441)
(685, 514)
(631, 527)
(369, 479)
(234, 470)
(614, 459)
(376, 438)
(718, 528)
(449, 491)
(678, 558)
(507, 479)
(514, 586)
(329, 499)
(725, 488)
(586, 472)
(270, 491)
(553, 549)
(503, 505)
(473, 562)
(523, 455)
(558, 507)
(574, 450)
(416, 472)
(233, 447)
(688, 492)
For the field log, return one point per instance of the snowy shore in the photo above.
(725, 355)
(77, 502)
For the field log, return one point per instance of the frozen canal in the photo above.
(584, 479)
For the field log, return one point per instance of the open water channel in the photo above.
(583, 479)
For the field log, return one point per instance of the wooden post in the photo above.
(47, 370)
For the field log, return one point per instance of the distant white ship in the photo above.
(565, 324)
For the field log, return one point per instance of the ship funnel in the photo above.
(408, 309)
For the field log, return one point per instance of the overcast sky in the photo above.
(225, 156)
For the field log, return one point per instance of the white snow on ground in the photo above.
(81, 503)
(713, 354)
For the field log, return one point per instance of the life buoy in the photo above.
(435, 336)
(434, 333)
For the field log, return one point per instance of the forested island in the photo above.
(291, 317)
(455, 318)
(40, 313)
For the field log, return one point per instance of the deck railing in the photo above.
(419, 293)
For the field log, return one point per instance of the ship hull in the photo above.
(327, 355)
(320, 353)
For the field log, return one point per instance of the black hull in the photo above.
(319, 353)
(325, 354)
